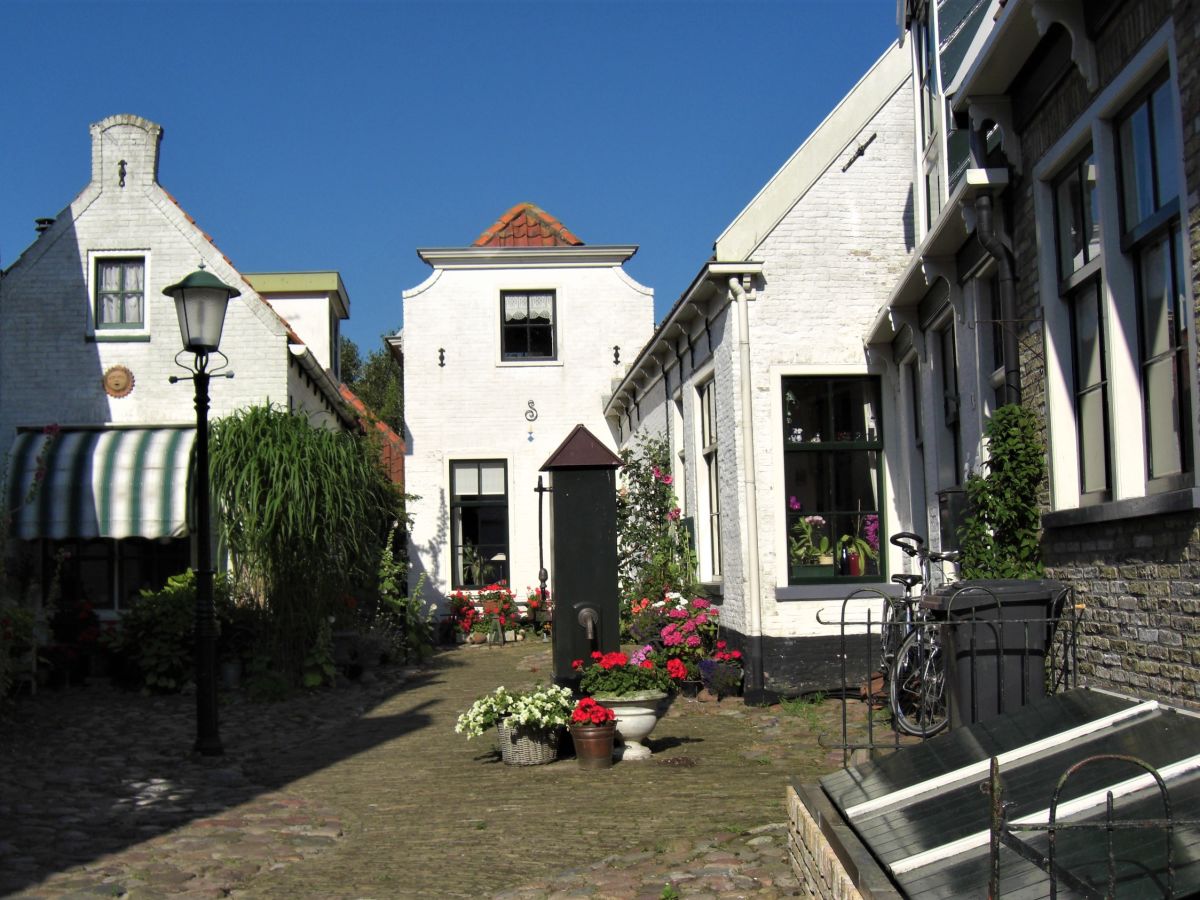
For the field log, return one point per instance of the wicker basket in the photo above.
(526, 746)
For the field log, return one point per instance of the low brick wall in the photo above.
(842, 872)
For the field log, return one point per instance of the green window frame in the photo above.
(833, 478)
(121, 292)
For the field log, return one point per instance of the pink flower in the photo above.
(700, 603)
(793, 504)
(702, 619)
(678, 614)
(693, 640)
(674, 514)
(721, 645)
(667, 480)
(674, 639)
(688, 627)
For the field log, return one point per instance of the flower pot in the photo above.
(520, 746)
(594, 745)
(637, 714)
(477, 637)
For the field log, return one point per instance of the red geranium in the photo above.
(588, 712)
(676, 669)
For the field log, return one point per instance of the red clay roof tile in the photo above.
(526, 225)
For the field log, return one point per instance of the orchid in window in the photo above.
(809, 544)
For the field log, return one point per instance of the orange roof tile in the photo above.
(391, 446)
(526, 225)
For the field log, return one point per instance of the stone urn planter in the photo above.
(637, 714)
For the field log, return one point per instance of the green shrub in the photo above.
(1000, 536)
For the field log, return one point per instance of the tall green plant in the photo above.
(305, 513)
(1000, 536)
(653, 552)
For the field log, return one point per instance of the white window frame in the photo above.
(1096, 125)
(101, 334)
(708, 539)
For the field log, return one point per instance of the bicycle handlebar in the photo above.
(908, 542)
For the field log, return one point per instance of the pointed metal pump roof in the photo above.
(582, 450)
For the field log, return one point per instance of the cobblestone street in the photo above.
(366, 791)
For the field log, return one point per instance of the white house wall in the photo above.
(478, 407)
(50, 369)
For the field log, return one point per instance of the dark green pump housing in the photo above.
(583, 551)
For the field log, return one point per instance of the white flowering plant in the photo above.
(542, 708)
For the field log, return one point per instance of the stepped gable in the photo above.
(526, 225)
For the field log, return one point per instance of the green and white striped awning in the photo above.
(111, 483)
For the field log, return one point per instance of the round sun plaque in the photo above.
(118, 381)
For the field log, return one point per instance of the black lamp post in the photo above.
(200, 301)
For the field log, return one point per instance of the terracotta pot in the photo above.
(594, 745)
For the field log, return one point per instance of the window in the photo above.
(991, 341)
(833, 478)
(478, 522)
(111, 574)
(120, 291)
(949, 459)
(1148, 149)
(1077, 226)
(527, 325)
(711, 475)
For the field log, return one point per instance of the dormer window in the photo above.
(527, 325)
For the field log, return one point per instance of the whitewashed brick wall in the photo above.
(50, 371)
(474, 407)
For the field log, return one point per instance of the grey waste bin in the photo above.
(989, 626)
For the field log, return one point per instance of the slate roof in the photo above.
(526, 225)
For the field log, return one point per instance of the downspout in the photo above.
(997, 246)
(754, 691)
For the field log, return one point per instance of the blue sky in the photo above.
(309, 135)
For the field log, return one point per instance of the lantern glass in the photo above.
(201, 314)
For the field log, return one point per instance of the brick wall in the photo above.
(1139, 578)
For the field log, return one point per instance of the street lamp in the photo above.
(200, 302)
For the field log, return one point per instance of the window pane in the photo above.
(1089, 352)
(110, 276)
(1070, 224)
(541, 340)
(1158, 306)
(831, 409)
(516, 308)
(1166, 145)
(1091, 208)
(1093, 453)
(1137, 185)
(465, 479)
(493, 478)
(1162, 418)
(541, 308)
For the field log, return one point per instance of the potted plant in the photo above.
(635, 690)
(722, 672)
(808, 547)
(593, 728)
(527, 722)
(860, 545)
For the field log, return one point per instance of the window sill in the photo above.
(127, 337)
(1132, 508)
(835, 591)
(714, 590)
(525, 363)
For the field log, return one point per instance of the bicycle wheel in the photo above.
(892, 629)
(918, 684)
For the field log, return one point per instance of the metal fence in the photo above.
(991, 657)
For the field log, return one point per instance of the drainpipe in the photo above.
(754, 691)
(996, 246)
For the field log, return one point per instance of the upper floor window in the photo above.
(120, 292)
(833, 477)
(1148, 148)
(527, 325)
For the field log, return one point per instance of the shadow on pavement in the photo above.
(93, 770)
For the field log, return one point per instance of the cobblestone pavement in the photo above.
(365, 791)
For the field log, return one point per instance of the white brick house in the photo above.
(508, 345)
(774, 408)
(87, 344)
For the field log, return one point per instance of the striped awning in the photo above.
(112, 483)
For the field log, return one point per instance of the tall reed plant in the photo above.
(304, 513)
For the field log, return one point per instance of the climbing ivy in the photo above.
(1000, 536)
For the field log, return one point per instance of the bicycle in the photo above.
(912, 648)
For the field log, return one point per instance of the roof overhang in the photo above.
(703, 287)
(599, 255)
(949, 233)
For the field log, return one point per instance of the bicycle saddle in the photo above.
(909, 581)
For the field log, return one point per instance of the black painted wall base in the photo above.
(795, 666)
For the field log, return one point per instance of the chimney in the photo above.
(42, 225)
(125, 152)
